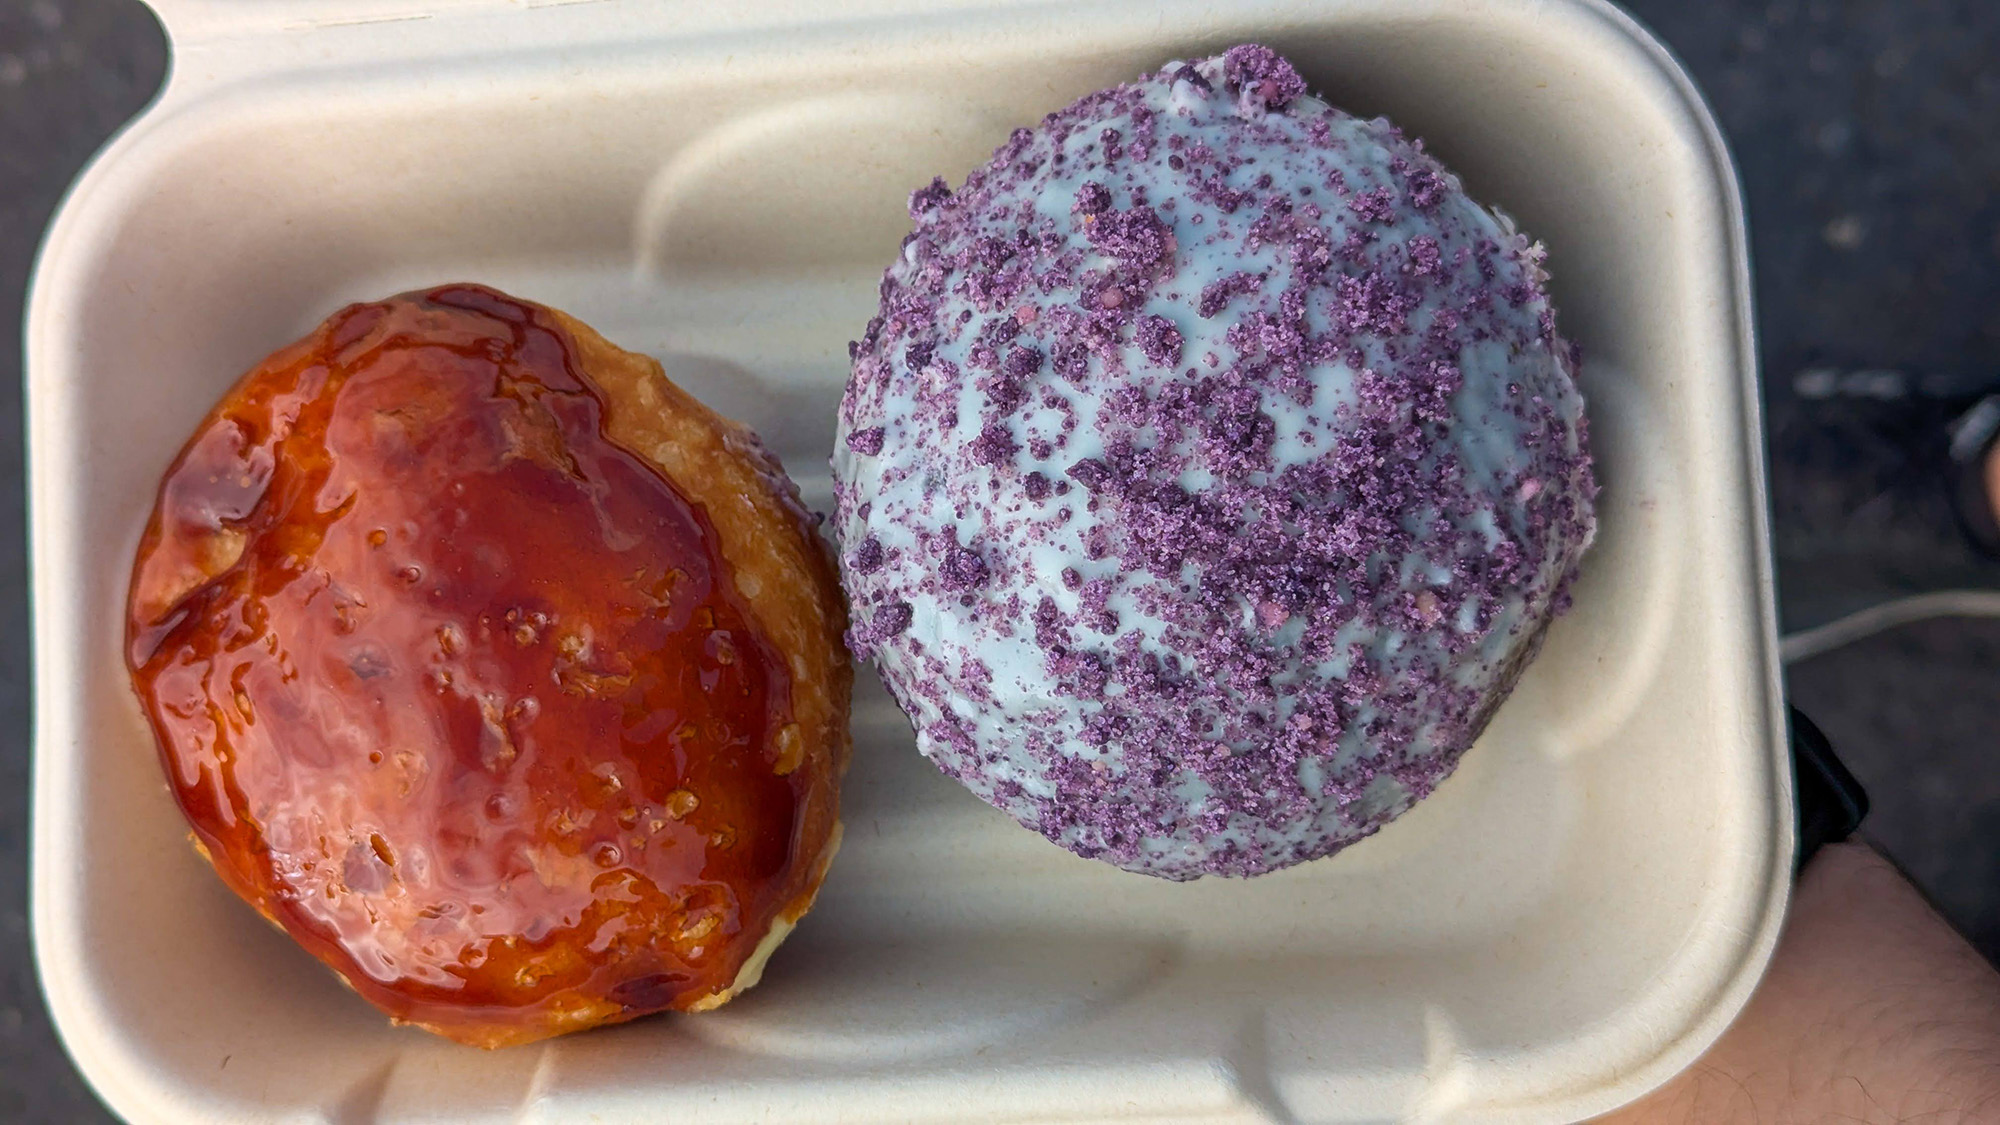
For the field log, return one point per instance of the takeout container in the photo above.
(1564, 924)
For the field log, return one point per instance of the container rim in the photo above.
(215, 44)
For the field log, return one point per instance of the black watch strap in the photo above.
(1831, 803)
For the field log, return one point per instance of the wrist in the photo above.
(1873, 1010)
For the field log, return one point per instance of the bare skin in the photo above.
(1992, 472)
(1874, 1010)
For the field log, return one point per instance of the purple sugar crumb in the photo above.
(1564, 601)
(1215, 295)
(962, 568)
(1083, 674)
(1160, 340)
(1135, 237)
(996, 332)
(1425, 258)
(1022, 362)
(978, 673)
(1005, 391)
(952, 733)
(992, 251)
(1036, 486)
(1312, 251)
(1188, 73)
(1422, 183)
(1049, 632)
(1103, 728)
(890, 620)
(994, 444)
(1372, 304)
(1128, 404)
(1016, 143)
(867, 557)
(866, 442)
(1376, 206)
(928, 198)
(1090, 473)
(1092, 198)
(1261, 75)
(1071, 359)
(1226, 199)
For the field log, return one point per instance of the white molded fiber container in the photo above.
(1571, 918)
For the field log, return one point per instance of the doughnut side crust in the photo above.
(782, 567)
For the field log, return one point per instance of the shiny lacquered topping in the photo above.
(457, 690)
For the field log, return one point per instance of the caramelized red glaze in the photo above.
(457, 690)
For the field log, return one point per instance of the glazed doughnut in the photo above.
(1209, 473)
(494, 669)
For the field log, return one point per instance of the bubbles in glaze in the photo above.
(1209, 473)
(458, 691)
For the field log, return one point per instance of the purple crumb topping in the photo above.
(962, 568)
(994, 444)
(929, 197)
(1160, 340)
(1092, 199)
(1215, 296)
(1195, 397)
(1022, 362)
(1135, 237)
(1378, 206)
(893, 619)
(1260, 73)
(1191, 74)
(1090, 473)
(1071, 359)
(867, 442)
(867, 556)
(889, 621)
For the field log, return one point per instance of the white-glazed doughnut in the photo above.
(1209, 474)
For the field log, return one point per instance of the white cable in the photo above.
(1808, 643)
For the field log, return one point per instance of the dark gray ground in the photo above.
(1868, 133)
